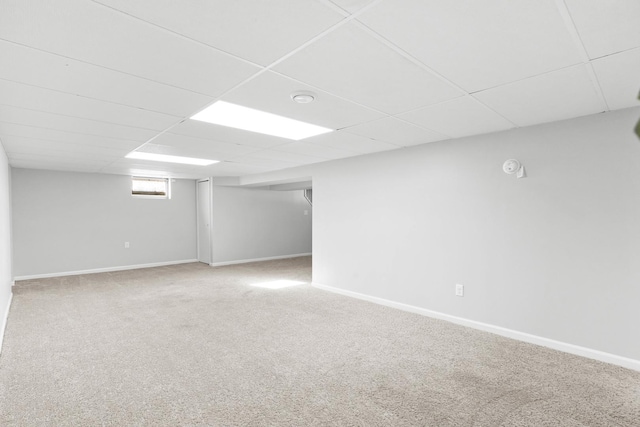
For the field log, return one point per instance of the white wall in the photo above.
(67, 222)
(555, 255)
(6, 279)
(253, 223)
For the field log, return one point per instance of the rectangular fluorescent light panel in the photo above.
(239, 117)
(170, 159)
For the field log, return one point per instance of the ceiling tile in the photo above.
(352, 6)
(309, 149)
(352, 64)
(17, 144)
(62, 157)
(181, 145)
(150, 168)
(284, 156)
(396, 132)
(271, 92)
(175, 140)
(236, 169)
(559, 95)
(117, 169)
(619, 77)
(180, 151)
(90, 81)
(175, 170)
(269, 164)
(478, 44)
(64, 104)
(459, 117)
(12, 129)
(90, 32)
(139, 168)
(212, 132)
(72, 124)
(55, 165)
(351, 142)
(606, 27)
(258, 31)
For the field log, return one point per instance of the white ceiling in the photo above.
(84, 82)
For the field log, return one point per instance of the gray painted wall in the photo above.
(6, 279)
(66, 222)
(554, 255)
(254, 223)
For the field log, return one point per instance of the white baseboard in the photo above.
(103, 270)
(5, 319)
(244, 261)
(498, 330)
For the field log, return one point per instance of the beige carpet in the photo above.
(194, 345)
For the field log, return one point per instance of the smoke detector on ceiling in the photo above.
(303, 97)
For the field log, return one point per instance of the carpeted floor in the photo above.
(194, 345)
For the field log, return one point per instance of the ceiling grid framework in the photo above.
(465, 94)
(347, 17)
(85, 82)
(573, 31)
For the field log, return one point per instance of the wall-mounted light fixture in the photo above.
(512, 166)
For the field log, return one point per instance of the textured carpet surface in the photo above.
(194, 345)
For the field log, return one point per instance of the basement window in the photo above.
(153, 188)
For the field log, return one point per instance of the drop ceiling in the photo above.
(83, 83)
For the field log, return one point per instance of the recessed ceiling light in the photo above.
(170, 159)
(239, 117)
(303, 97)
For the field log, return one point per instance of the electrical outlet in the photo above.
(459, 290)
(126, 245)
(306, 212)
